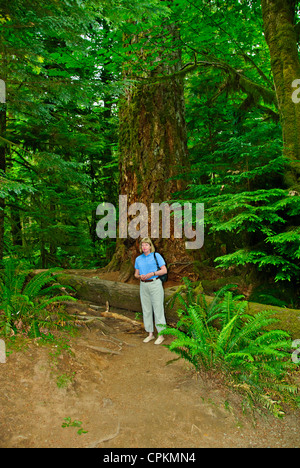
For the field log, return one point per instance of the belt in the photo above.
(149, 281)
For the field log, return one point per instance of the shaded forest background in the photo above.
(90, 85)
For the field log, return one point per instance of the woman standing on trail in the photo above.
(151, 288)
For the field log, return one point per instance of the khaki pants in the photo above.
(152, 300)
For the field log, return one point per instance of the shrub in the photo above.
(24, 304)
(223, 339)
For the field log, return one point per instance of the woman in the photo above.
(151, 288)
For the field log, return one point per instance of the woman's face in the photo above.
(146, 248)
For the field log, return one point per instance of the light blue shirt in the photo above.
(147, 264)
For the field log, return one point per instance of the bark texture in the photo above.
(152, 145)
(2, 171)
(281, 37)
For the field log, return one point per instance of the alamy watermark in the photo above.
(296, 354)
(187, 219)
(2, 92)
(2, 352)
(296, 93)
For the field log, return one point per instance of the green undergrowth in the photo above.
(223, 340)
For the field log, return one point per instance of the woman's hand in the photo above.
(147, 276)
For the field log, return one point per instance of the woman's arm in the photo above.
(143, 277)
(162, 271)
(137, 274)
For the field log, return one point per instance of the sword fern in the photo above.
(24, 303)
(242, 349)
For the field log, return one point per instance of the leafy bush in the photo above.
(24, 305)
(223, 339)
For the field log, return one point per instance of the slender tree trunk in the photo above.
(52, 239)
(93, 200)
(16, 226)
(281, 37)
(3, 117)
(152, 147)
(2, 170)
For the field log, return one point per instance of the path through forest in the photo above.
(131, 399)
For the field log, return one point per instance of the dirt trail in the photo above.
(133, 399)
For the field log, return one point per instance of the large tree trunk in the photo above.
(152, 147)
(281, 37)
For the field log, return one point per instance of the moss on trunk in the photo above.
(281, 37)
(152, 146)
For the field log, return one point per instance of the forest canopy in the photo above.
(181, 101)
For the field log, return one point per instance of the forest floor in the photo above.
(111, 390)
(132, 399)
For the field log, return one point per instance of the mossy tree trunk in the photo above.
(3, 144)
(152, 142)
(2, 171)
(281, 36)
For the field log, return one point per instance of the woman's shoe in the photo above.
(149, 338)
(159, 340)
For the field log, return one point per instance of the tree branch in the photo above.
(238, 80)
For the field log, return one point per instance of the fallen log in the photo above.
(98, 291)
(127, 297)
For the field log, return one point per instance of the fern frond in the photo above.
(34, 286)
(184, 354)
(241, 349)
(254, 325)
(224, 338)
(47, 302)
